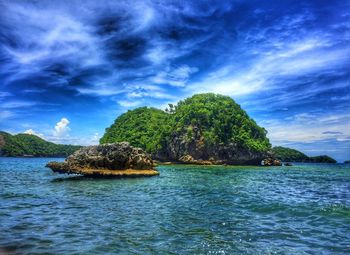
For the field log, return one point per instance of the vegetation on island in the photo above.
(144, 127)
(203, 126)
(347, 162)
(221, 121)
(31, 145)
(291, 155)
(321, 159)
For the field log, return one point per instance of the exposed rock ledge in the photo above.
(107, 160)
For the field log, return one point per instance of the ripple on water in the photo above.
(186, 210)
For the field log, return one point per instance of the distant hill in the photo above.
(287, 154)
(32, 145)
(322, 159)
(291, 155)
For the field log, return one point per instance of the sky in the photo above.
(69, 68)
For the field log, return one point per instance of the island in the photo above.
(107, 160)
(203, 129)
(291, 155)
(28, 145)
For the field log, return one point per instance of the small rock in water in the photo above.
(107, 160)
(271, 162)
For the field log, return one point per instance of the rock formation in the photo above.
(271, 162)
(107, 160)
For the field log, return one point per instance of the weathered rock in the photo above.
(116, 159)
(271, 162)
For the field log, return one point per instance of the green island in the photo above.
(291, 155)
(205, 129)
(27, 145)
(202, 129)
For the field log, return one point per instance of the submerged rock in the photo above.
(114, 160)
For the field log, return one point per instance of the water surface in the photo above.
(304, 209)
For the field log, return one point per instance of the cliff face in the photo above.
(205, 128)
(194, 149)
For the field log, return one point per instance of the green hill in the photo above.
(202, 127)
(290, 155)
(31, 145)
(322, 159)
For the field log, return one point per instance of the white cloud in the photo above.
(306, 56)
(62, 128)
(4, 94)
(32, 132)
(95, 139)
(308, 128)
(126, 103)
(17, 104)
(176, 77)
(6, 114)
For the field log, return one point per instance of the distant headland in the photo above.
(27, 145)
(291, 155)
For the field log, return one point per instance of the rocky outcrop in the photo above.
(188, 159)
(114, 160)
(271, 162)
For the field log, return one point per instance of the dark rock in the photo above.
(271, 162)
(117, 159)
(288, 164)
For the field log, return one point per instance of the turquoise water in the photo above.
(303, 209)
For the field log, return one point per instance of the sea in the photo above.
(301, 209)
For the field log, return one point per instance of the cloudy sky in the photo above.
(69, 68)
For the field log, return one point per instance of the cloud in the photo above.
(62, 128)
(177, 77)
(332, 133)
(283, 65)
(5, 114)
(95, 139)
(17, 104)
(128, 104)
(308, 128)
(32, 132)
(4, 94)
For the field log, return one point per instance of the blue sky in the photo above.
(69, 68)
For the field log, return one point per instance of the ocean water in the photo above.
(304, 209)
